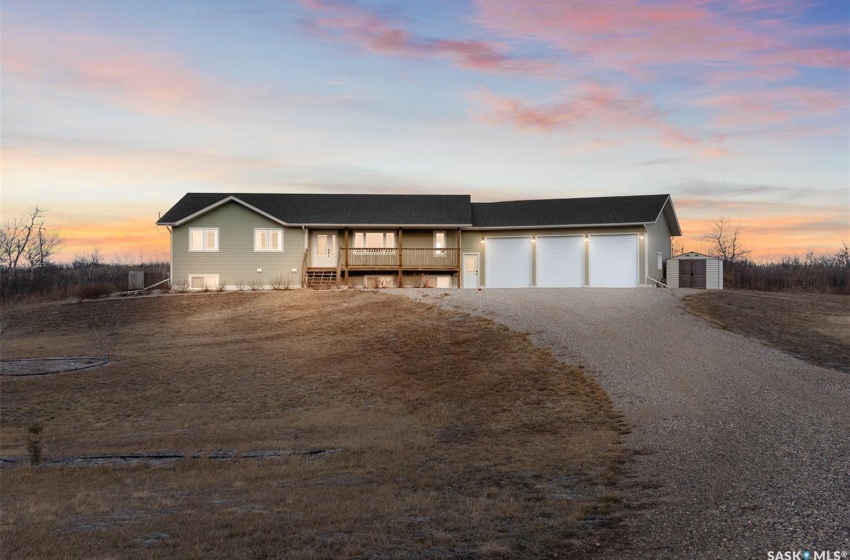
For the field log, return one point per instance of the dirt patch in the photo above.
(813, 327)
(45, 366)
(459, 438)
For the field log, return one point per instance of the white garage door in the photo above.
(560, 262)
(507, 262)
(613, 261)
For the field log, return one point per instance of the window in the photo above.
(660, 261)
(203, 281)
(374, 240)
(203, 239)
(268, 240)
(439, 243)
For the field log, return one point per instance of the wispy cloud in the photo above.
(728, 190)
(375, 32)
(776, 106)
(145, 80)
(592, 106)
(638, 37)
(661, 161)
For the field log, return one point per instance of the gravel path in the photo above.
(743, 449)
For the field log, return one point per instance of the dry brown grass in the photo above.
(814, 327)
(458, 438)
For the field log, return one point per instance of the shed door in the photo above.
(613, 261)
(686, 274)
(560, 262)
(692, 274)
(699, 274)
(507, 262)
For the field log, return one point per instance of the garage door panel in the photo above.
(508, 262)
(560, 261)
(613, 261)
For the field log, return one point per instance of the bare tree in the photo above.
(725, 240)
(43, 245)
(676, 248)
(26, 240)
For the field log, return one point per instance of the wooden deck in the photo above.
(407, 259)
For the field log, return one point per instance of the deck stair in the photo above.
(322, 278)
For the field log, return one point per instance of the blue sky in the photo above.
(113, 110)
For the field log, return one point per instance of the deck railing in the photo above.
(406, 258)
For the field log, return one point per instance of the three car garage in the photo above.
(562, 261)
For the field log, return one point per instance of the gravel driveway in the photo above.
(743, 449)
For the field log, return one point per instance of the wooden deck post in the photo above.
(346, 256)
(400, 258)
(459, 261)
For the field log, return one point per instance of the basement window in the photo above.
(203, 239)
(268, 239)
(203, 281)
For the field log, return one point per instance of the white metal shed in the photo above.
(695, 270)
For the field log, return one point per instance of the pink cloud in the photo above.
(376, 34)
(772, 106)
(144, 80)
(635, 36)
(592, 106)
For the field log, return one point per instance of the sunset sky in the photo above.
(111, 111)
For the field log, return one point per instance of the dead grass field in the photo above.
(814, 327)
(457, 437)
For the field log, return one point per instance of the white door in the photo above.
(470, 270)
(613, 261)
(560, 261)
(507, 262)
(324, 249)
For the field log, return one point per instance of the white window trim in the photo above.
(660, 260)
(268, 230)
(363, 234)
(441, 251)
(204, 236)
(210, 281)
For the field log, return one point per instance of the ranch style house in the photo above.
(321, 240)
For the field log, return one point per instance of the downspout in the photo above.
(171, 260)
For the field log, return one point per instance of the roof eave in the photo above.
(560, 226)
(222, 202)
(675, 228)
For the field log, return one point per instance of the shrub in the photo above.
(94, 291)
(34, 443)
(180, 286)
(812, 274)
(281, 282)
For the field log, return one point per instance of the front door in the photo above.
(324, 249)
(470, 270)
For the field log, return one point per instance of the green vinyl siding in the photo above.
(236, 259)
(658, 241)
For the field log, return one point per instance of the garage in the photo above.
(560, 261)
(507, 262)
(613, 261)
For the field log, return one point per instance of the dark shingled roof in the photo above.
(569, 211)
(338, 209)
